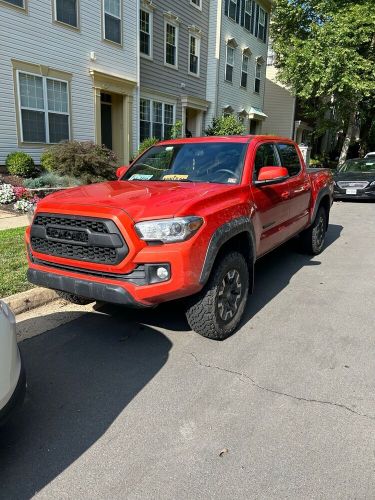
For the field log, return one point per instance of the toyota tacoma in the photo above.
(188, 219)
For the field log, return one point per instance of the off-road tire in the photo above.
(313, 238)
(205, 310)
(74, 299)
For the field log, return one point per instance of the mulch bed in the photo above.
(15, 180)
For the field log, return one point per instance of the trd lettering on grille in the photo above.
(67, 234)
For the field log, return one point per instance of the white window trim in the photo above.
(249, 12)
(116, 17)
(238, 6)
(163, 102)
(198, 54)
(256, 78)
(13, 6)
(247, 71)
(260, 24)
(151, 23)
(175, 24)
(71, 26)
(226, 62)
(45, 110)
(199, 7)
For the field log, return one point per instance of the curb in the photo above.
(25, 301)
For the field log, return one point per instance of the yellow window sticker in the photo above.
(175, 177)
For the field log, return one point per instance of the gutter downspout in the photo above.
(218, 50)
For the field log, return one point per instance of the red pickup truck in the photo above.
(188, 218)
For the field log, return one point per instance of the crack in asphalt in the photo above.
(280, 393)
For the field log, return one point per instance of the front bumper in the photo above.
(16, 399)
(362, 194)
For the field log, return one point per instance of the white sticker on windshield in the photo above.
(169, 148)
(232, 180)
(140, 177)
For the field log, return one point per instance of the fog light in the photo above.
(162, 273)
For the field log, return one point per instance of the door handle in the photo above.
(285, 195)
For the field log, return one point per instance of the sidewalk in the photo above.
(10, 221)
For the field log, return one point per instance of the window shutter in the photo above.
(252, 17)
(238, 11)
(227, 7)
(242, 12)
(256, 20)
(265, 28)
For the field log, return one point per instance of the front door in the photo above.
(106, 119)
(272, 202)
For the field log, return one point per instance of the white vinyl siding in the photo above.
(66, 12)
(194, 55)
(43, 108)
(112, 21)
(156, 119)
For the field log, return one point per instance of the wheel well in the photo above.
(326, 204)
(240, 243)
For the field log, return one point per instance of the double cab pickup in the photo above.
(187, 219)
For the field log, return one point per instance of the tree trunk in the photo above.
(349, 135)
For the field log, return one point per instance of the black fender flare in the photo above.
(224, 233)
(322, 193)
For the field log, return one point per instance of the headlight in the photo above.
(169, 230)
(31, 213)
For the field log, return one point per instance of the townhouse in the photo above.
(237, 54)
(68, 70)
(173, 66)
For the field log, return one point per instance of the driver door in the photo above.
(272, 202)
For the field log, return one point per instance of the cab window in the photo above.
(289, 158)
(265, 157)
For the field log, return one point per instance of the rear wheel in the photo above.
(217, 310)
(74, 299)
(313, 238)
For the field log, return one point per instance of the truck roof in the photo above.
(227, 138)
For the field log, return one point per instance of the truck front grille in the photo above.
(353, 184)
(78, 238)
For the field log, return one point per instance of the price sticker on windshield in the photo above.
(140, 177)
(175, 177)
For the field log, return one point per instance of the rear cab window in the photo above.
(289, 158)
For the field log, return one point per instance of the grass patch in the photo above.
(13, 262)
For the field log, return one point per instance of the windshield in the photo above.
(217, 162)
(366, 165)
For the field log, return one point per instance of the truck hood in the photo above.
(355, 176)
(139, 199)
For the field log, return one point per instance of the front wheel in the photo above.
(313, 238)
(217, 310)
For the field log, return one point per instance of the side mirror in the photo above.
(271, 175)
(121, 171)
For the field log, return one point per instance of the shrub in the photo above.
(26, 205)
(6, 194)
(176, 131)
(47, 160)
(86, 161)
(51, 180)
(20, 163)
(21, 193)
(225, 125)
(147, 143)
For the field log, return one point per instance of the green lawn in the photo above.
(13, 262)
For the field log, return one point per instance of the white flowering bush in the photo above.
(23, 205)
(6, 194)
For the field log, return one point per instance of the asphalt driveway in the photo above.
(134, 405)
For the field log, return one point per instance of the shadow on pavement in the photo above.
(81, 376)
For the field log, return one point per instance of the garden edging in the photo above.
(25, 301)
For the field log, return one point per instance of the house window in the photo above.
(66, 11)
(156, 119)
(112, 21)
(258, 76)
(171, 33)
(194, 53)
(145, 33)
(233, 9)
(229, 64)
(244, 70)
(17, 3)
(247, 15)
(44, 108)
(262, 24)
(197, 3)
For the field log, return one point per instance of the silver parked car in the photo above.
(12, 376)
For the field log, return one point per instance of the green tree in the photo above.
(325, 49)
